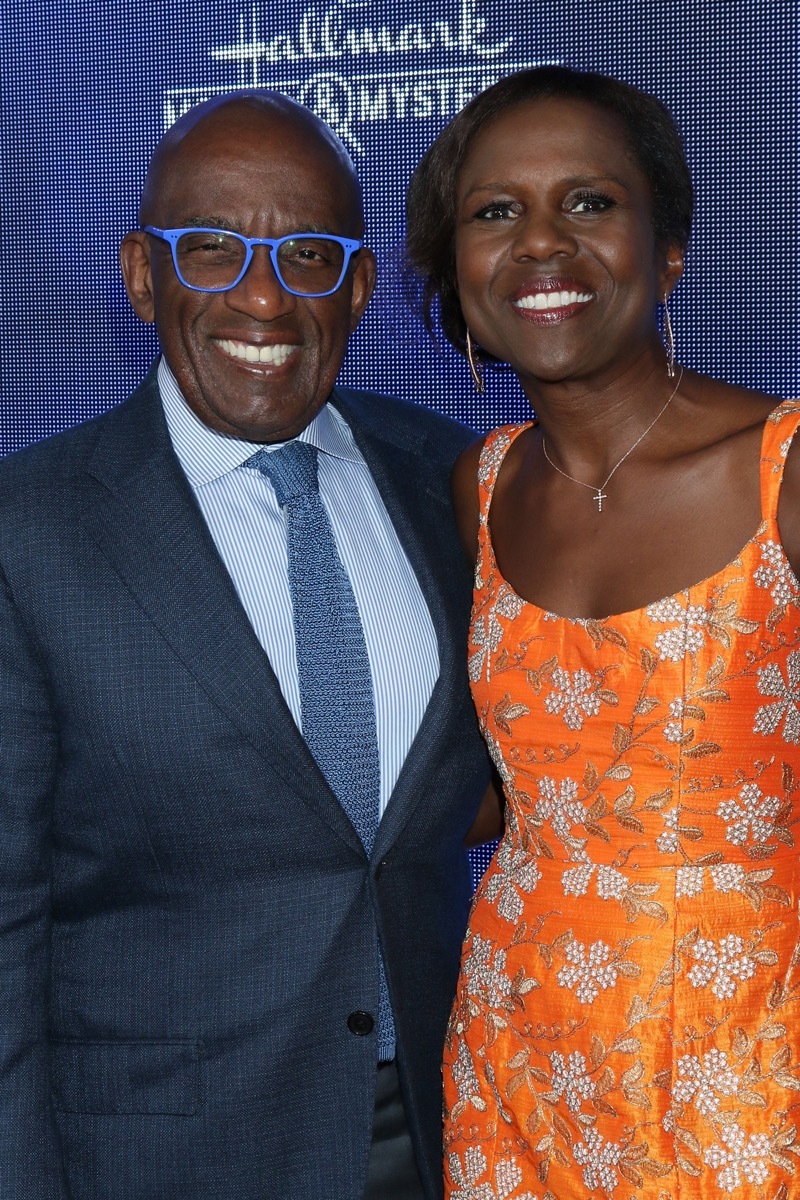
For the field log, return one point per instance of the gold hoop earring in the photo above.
(475, 368)
(669, 340)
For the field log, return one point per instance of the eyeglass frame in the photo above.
(350, 246)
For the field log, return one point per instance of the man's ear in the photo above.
(134, 258)
(364, 274)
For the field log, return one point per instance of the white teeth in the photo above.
(547, 300)
(275, 356)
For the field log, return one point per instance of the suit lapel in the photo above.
(417, 499)
(144, 518)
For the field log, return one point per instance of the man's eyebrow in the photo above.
(218, 222)
(211, 222)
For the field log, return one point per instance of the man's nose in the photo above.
(259, 292)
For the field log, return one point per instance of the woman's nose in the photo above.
(542, 233)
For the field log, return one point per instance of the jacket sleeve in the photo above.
(31, 1166)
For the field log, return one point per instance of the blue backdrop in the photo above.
(89, 88)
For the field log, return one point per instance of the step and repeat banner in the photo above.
(90, 87)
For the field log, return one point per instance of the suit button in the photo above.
(360, 1023)
(381, 867)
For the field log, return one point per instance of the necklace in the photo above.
(599, 493)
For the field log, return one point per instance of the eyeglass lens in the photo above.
(306, 265)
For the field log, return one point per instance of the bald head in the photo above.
(282, 125)
(256, 360)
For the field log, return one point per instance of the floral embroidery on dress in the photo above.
(516, 873)
(722, 966)
(773, 682)
(752, 817)
(775, 574)
(627, 1023)
(507, 1175)
(588, 970)
(576, 696)
(487, 630)
(704, 1082)
(742, 1159)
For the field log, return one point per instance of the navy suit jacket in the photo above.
(187, 917)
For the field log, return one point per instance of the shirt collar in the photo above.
(206, 455)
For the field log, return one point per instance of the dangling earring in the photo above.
(475, 368)
(669, 340)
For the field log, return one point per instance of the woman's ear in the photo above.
(672, 268)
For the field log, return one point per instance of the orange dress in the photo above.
(627, 1022)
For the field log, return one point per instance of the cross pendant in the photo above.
(600, 496)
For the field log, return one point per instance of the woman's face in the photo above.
(557, 266)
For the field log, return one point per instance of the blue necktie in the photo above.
(335, 681)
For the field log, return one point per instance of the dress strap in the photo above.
(779, 429)
(495, 448)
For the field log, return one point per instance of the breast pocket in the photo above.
(114, 1077)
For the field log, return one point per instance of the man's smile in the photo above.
(249, 352)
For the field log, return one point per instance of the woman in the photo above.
(627, 1016)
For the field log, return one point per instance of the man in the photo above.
(228, 948)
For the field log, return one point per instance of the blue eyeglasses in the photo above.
(215, 260)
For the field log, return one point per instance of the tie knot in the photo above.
(292, 470)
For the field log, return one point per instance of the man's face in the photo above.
(261, 173)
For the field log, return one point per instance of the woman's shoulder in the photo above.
(719, 425)
(749, 426)
(729, 409)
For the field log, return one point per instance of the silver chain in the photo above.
(599, 493)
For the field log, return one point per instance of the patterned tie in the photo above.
(336, 697)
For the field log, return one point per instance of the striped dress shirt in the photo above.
(239, 507)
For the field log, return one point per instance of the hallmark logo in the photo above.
(429, 67)
(331, 32)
